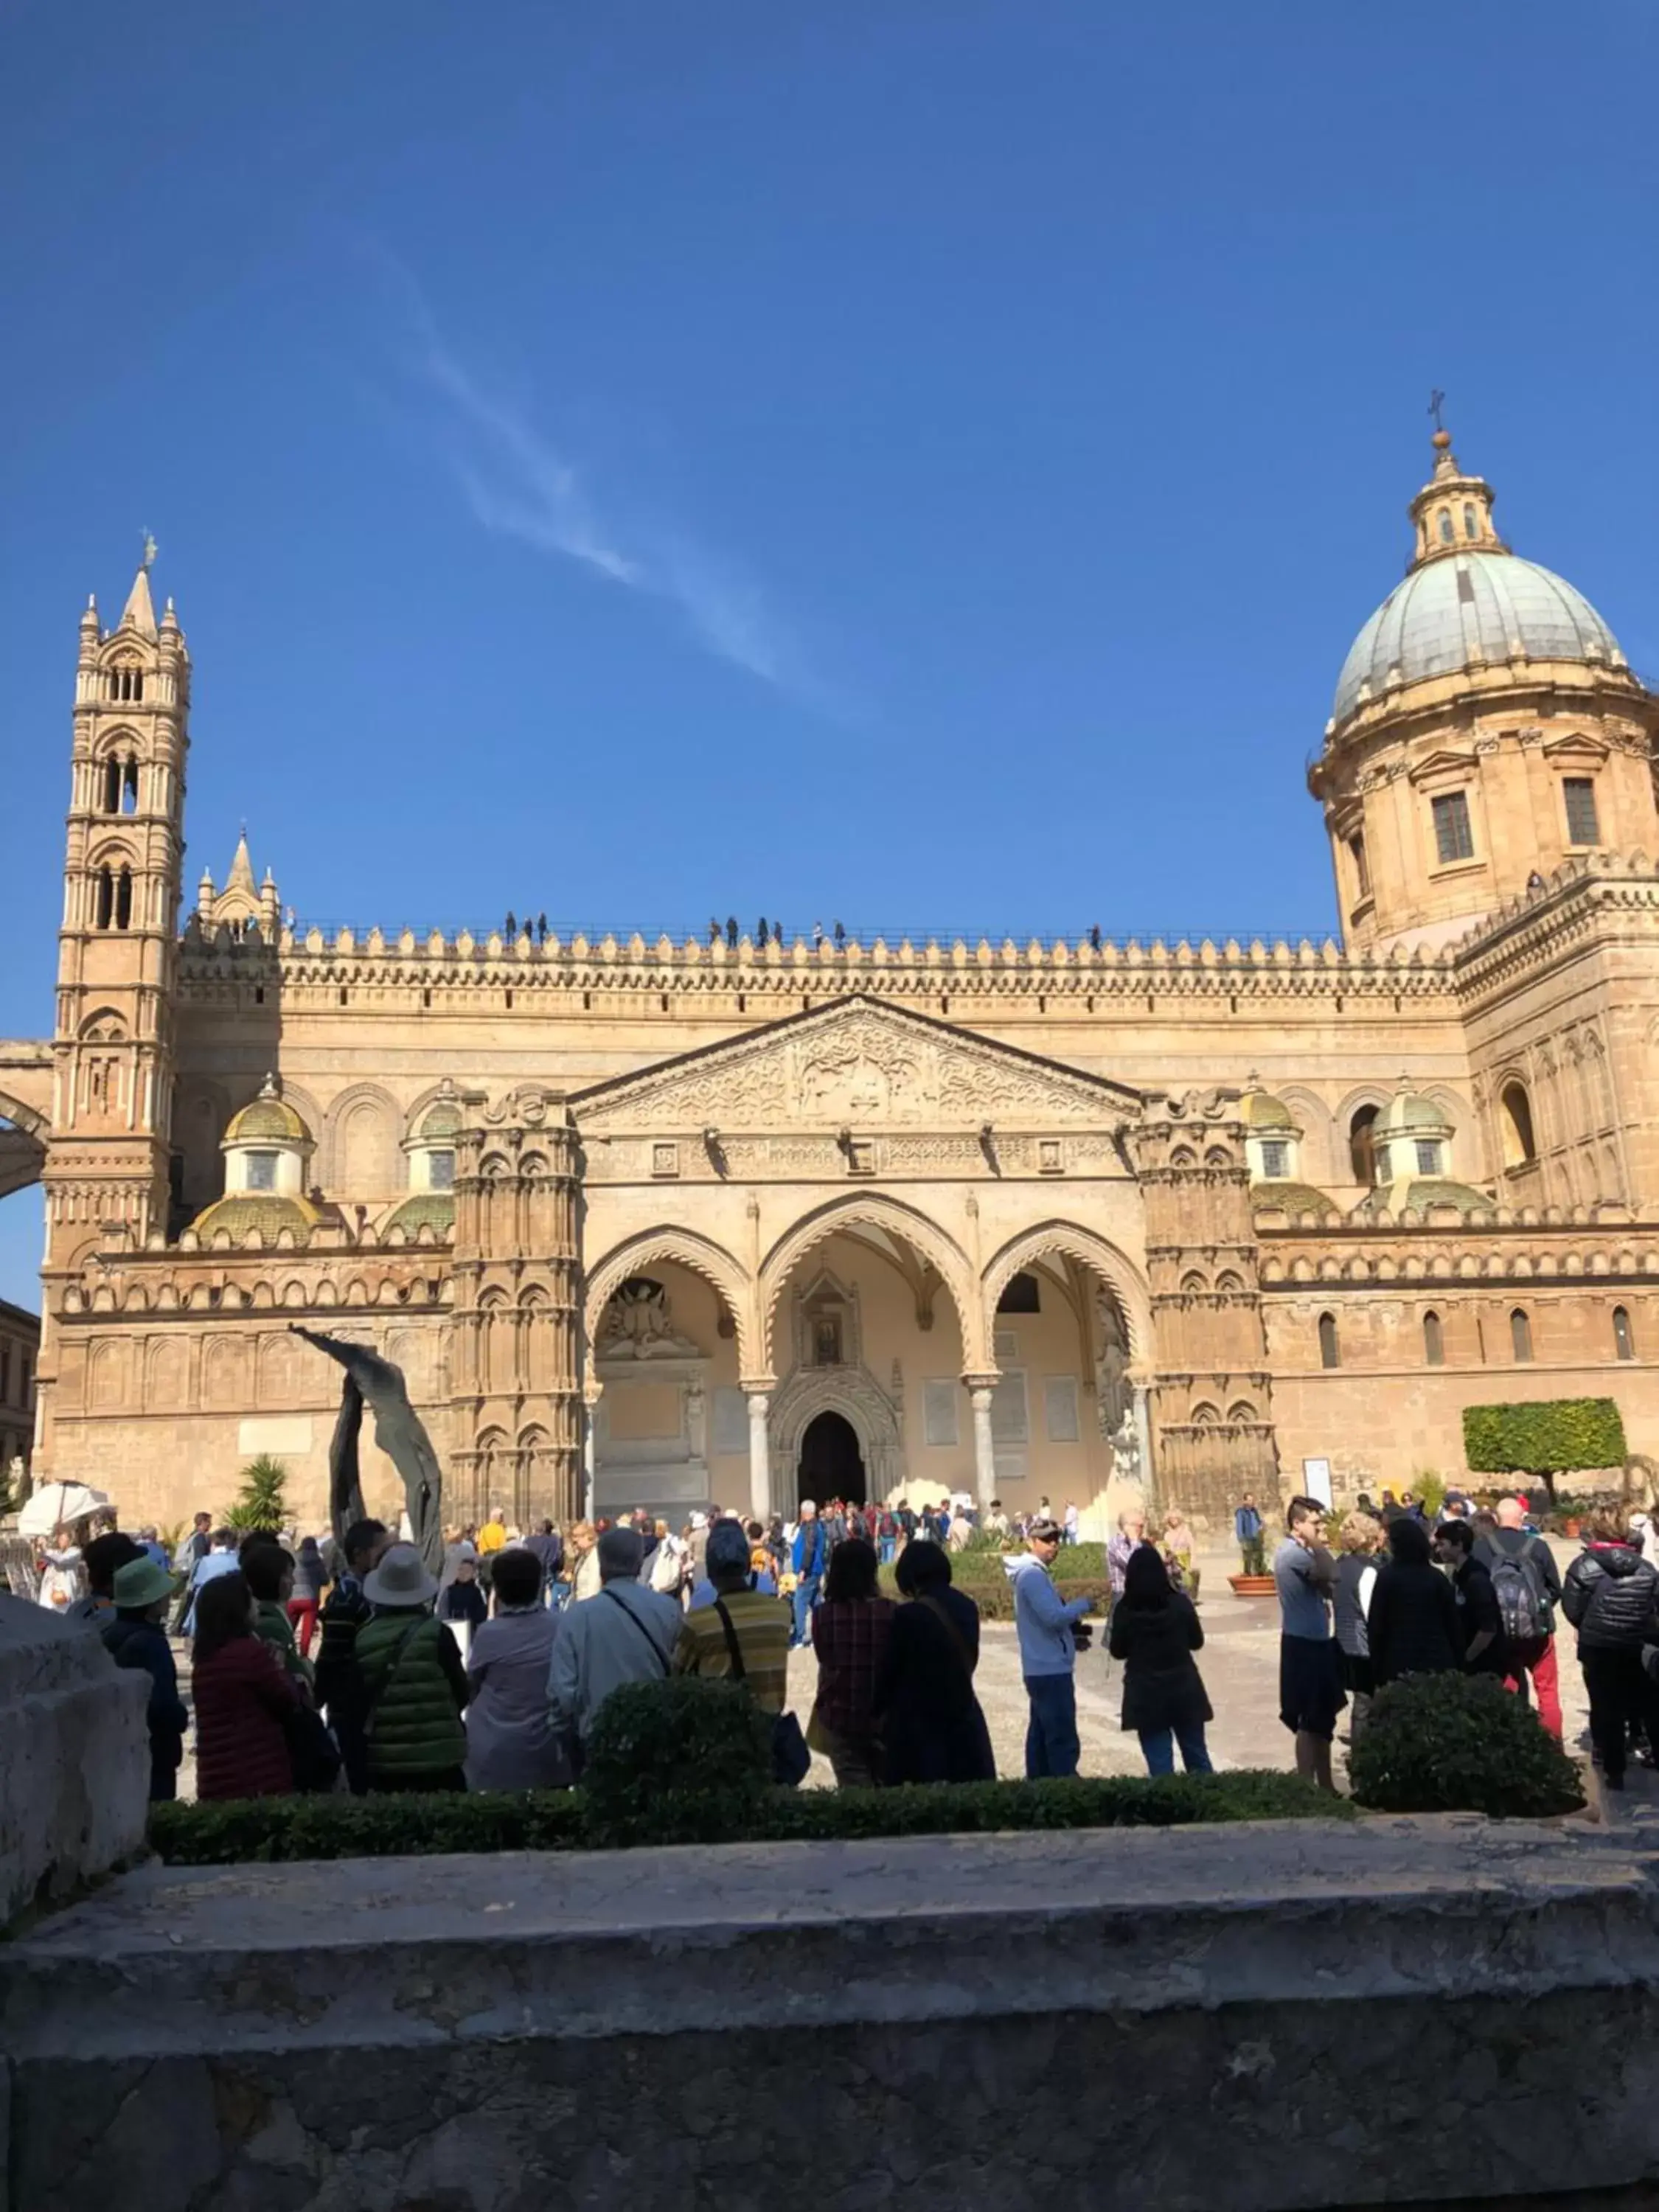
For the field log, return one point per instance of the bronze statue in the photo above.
(400, 1432)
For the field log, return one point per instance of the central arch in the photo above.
(870, 1210)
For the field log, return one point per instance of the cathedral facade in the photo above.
(666, 1224)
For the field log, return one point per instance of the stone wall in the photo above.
(74, 1758)
(1230, 2020)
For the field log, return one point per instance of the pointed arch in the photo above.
(1091, 1250)
(872, 1210)
(687, 1249)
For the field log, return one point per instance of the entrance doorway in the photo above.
(831, 1465)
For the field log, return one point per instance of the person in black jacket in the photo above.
(1486, 1646)
(1412, 1625)
(931, 1724)
(1155, 1632)
(134, 1636)
(339, 1685)
(1611, 1595)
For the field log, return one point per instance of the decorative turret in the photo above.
(267, 1149)
(1453, 512)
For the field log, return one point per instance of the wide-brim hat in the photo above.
(142, 1582)
(401, 1578)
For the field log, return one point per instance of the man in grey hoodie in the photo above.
(1048, 1644)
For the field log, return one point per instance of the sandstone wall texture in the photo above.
(1281, 2016)
(74, 1758)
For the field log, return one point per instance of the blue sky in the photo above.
(919, 464)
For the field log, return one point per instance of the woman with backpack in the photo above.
(1611, 1595)
(414, 1685)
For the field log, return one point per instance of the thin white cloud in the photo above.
(517, 484)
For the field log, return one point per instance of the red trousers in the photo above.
(302, 1619)
(1536, 1657)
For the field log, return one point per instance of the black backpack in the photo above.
(1519, 1590)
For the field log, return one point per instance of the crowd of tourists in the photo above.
(315, 1664)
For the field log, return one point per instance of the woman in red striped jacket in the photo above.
(243, 1699)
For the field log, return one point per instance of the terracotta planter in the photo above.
(1253, 1585)
(1571, 1526)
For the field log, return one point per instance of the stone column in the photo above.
(590, 1397)
(760, 1452)
(980, 1390)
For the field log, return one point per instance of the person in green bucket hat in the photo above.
(136, 1637)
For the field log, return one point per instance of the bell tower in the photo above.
(107, 1164)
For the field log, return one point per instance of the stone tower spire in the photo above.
(107, 1170)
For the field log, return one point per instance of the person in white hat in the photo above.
(414, 1685)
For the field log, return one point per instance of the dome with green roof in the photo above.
(1299, 1200)
(427, 1209)
(444, 1120)
(267, 1212)
(267, 1119)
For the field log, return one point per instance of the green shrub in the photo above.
(680, 1761)
(262, 1501)
(338, 1828)
(1549, 1438)
(1460, 1743)
(1430, 1487)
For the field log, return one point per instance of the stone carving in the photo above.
(858, 1062)
(1125, 1447)
(637, 1324)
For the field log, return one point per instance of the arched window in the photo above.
(129, 786)
(1330, 1352)
(1362, 1148)
(104, 912)
(124, 899)
(1434, 1340)
(1521, 1335)
(1624, 1343)
(1445, 527)
(111, 786)
(1471, 527)
(1515, 1119)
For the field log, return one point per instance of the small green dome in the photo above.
(267, 1119)
(427, 1209)
(443, 1121)
(264, 1211)
(1422, 1192)
(1296, 1198)
(1408, 1113)
(1262, 1111)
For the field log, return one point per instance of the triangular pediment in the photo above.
(858, 1064)
(1443, 763)
(1577, 747)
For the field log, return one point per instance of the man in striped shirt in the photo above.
(758, 1626)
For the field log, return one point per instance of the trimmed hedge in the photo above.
(1551, 1437)
(1079, 1572)
(336, 1827)
(1460, 1743)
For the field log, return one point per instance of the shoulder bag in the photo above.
(656, 1647)
(790, 1757)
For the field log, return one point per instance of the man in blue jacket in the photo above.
(1048, 1652)
(1247, 1527)
(809, 1556)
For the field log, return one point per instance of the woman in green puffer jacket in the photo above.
(414, 1683)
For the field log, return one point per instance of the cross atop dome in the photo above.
(1452, 513)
